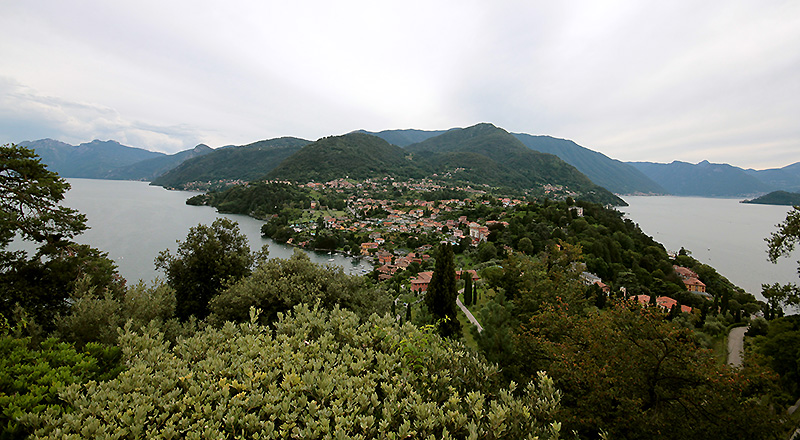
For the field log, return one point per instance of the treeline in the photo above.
(258, 199)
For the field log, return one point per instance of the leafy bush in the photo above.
(30, 378)
(322, 375)
(98, 318)
(278, 285)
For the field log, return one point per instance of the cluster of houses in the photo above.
(689, 277)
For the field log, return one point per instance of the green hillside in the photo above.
(782, 198)
(354, 155)
(247, 162)
(618, 177)
(503, 160)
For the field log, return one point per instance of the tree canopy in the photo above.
(29, 197)
(315, 374)
(210, 257)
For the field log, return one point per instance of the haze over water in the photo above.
(722, 233)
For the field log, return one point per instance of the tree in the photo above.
(468, 295)
(29, 197)
(277, 285)
(440, 298)
(210, 258)
(525, 246)
(781, 244)
(630, 372)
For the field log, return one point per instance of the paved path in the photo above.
(735, 343)
(468, 313)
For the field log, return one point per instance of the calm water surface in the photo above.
(134, 221)
(722, 233)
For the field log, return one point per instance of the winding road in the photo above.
(468, 313)
(735, 345)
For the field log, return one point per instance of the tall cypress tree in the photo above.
(468, 297)
(440, 297)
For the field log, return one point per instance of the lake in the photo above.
(722, 233)
(134, 221)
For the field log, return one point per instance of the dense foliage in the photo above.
(31, 376)
(322, 375)
(210, 257)
(277, 285)
(259, 200)
(355, 156)
(777, 198)
(246, 162)
(39, 286)
(673, 389)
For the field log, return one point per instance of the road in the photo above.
(735, 345)
(468, 313)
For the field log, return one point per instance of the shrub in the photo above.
(322, 375)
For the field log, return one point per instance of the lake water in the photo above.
(722, 233)
(134, 221)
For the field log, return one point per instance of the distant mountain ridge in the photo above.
(707, 179)
(92, 160)
(112, 160)
(614, 175)
(150, 169)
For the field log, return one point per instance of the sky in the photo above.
(635, 80)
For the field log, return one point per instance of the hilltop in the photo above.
(246, 162)
(480, 155)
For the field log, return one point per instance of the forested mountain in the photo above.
(617, 177)
(704, 179)
(246, 162)
(491, 155)
(404, 138)
(786, 178)
(149, 169)
(353, 155)
(92, 160)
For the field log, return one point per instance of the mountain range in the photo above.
(482, 153)
(707, 179)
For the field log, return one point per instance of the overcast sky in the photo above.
(635, 80)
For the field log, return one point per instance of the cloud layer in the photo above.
(716, 80)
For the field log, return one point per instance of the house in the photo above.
(421, 281)
(690, 279)
(477, 232)
(694, 285)
(590, 278)
(365, 247)
(665, 302)
(384, 257)
(472, 272)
